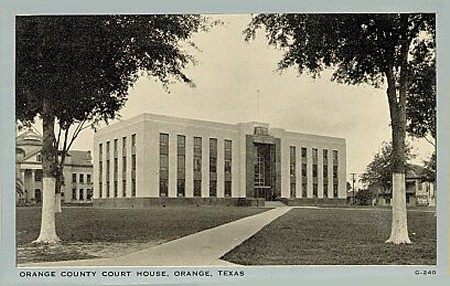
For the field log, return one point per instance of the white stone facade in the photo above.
(147, 130)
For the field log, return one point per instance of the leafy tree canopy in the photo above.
(84, 65)
(421, 100)
(374, 49)
(378, 173)
(359, 46)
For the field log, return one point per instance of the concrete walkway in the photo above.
(199, 249)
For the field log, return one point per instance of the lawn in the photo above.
(338, 237)
(90, 233)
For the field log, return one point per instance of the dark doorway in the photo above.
(265, 171)
(38, 196)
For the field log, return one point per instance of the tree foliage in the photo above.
(364, 196)
(73, 70)
(430, 168)
(378, 174)
(375, 49)
(84, 65)
(421, 101)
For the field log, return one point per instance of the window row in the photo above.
(197, 166)
(114, 191)
(304, 171)
(315, 154)
(116, 147)
(81, 194)
(79, 178)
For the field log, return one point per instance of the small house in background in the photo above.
(78, 168)
(420, 191)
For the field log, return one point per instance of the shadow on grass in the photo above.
(91, 233)
(338, 237)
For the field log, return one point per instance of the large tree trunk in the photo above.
(48, 228)
(397, 108)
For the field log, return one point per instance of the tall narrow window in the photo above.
(163, 164)
(100, 151)
(100, 170)
(325, 173)
(335, 173)
(315, 155)
(304, 171)
(213, 167)
(228, 164)
(133, 175)
(124, 166)
(116, 143)
(197, 166)
(108, 170)
(133, 143)
(108, 150)
(292, 168)
(88, 194)
(124, 145)
(335, 190)
(181, 165)
(315, 190)
(116, 168)
(304, 189)
(133, 187)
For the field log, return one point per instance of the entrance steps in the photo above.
(274, 204)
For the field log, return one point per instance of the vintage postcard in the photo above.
(221, 145)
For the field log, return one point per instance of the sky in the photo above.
(238, 81)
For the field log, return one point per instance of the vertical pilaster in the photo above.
(172, 192)
(205, 167)
(320, 189)
(189, 184)
(221, 168)
(298, 173)
(309, 173)
(32, 184)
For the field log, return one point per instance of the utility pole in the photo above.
(257, 105)
(353, 186)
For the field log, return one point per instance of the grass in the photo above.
(116, 227)
(338, 237)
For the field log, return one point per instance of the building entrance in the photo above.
(264, 184)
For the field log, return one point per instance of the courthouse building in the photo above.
(167, 159)
(78, 181)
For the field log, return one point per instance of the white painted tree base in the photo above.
(48, 227)
(399, 228)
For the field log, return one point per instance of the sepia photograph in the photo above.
(200, 147)
(226, 139)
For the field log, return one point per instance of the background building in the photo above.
(77, 171)
(155, 156)
(420, 190)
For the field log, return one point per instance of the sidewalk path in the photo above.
(199, 249)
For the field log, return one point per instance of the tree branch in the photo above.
(77, 131)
